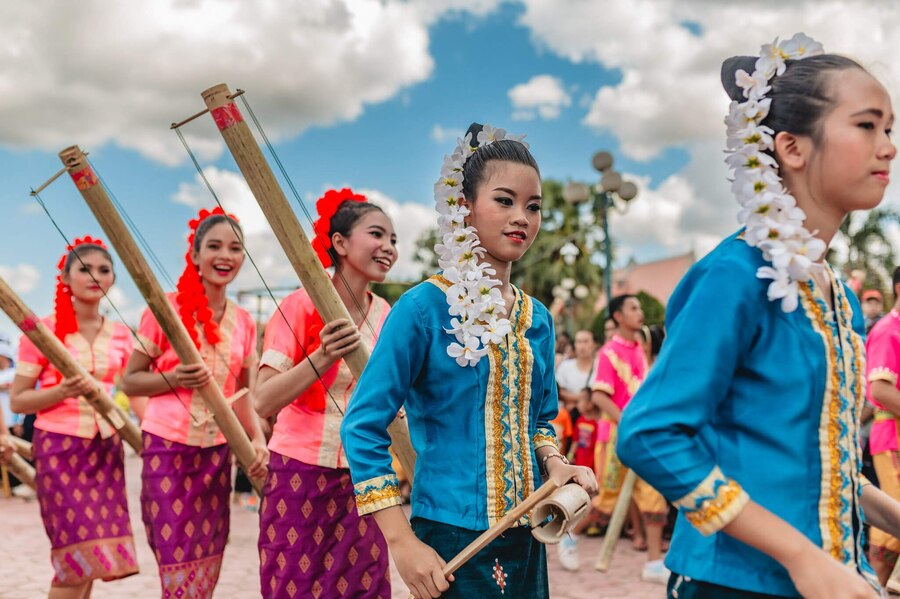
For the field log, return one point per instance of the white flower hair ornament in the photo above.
(769, 214)
(475, 304)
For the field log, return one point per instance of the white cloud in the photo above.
(543, 95)
(442, 134)
(670, 95)
(22, 277)
(100, 72)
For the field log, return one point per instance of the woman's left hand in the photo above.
(259, 466)
(563, 473)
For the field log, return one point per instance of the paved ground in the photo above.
(25, 571)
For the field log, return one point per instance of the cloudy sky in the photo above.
(371, 94)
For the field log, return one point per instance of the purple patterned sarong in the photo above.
(312, 541)
(81, 489)
(184, 505)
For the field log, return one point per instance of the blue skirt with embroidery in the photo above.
(514, 565)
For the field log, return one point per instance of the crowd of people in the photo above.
(743, 414)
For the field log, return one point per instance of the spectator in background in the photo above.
(872, 307)
(574, 374)
(564, 349)
(14, 421)
(609, 329)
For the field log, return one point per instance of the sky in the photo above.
(371, 94)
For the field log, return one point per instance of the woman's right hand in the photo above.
(420, 567)
(191, 376)
(73, 386)
(338, 338)
(817, 574)
(6, 448)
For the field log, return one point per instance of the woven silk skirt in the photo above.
(312, 541)
(185, 508)
(81, 489)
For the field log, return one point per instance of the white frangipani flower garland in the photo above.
(770, 215)
(477, 308)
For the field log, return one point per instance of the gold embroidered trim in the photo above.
(277, 360)
(377, 494)
(604, 387)
(883, 373)
(714, 503)
(543, 438)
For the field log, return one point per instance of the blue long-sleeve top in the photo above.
(474, 429)
(749, 401)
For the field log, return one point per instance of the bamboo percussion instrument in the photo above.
(559, 513)
(100, 204)
(54, 350)
(614, 530)
(292, 238)
(22, 447)
(21, 469)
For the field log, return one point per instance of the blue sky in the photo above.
(639, 79)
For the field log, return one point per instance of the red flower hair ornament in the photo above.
(64, 311)
(193, 305)
(327, 206)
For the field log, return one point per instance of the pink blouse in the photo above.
(620, 370)
(180, 414)
(104, 359)
(308, 429)
(883, 364)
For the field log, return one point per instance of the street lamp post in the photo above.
(604, 193)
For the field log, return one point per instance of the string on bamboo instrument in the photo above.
(300, 202)
(259, 273)
(147, 250)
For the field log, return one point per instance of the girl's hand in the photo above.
(420, 567)
(817, 574)
(260, 463)
(74, 386)
(562, 473)
(190, 376)
(339, 338)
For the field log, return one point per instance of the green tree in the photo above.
(868, 247)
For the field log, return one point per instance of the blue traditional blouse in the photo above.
(474, 429)
(749, 401)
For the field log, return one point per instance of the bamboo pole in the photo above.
(614, 529)
(290, 234)
(97, 199)
(59, 356)
(21, 469)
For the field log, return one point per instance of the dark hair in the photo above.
(801, 96)
(347, 215)
(657, 336)
(505, 150)
(80, 251)
(617, 303)
(208, 223)
(895, 280)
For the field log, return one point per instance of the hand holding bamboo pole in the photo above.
(59, 356)
(100, 204)
(290, 234)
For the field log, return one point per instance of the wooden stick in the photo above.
(21, 469)
(290, 234)
(511, 517)
(97, 199)
(22, 447)
(614, 530)
(53, 349)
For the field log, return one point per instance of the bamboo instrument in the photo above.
(21, 469)
(53, 349)
(614, 530)
(99, 202)
(502, 525)
(290, 234)
(22, 447)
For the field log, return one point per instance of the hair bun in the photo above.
(729, 68)
(474, 129)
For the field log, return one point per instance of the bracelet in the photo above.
(551, 455)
